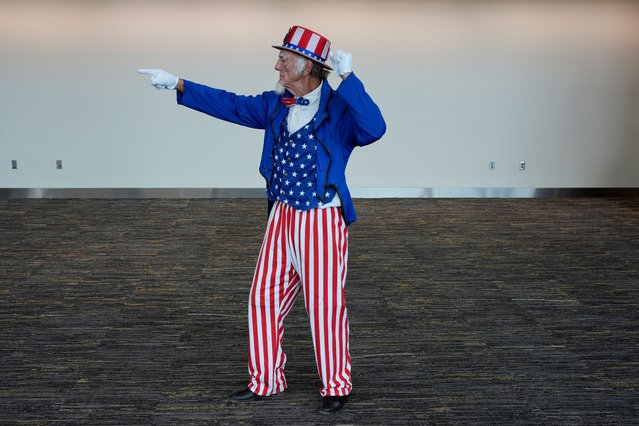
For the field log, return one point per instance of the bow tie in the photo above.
(292, 101)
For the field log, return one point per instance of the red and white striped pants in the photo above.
(301, 250)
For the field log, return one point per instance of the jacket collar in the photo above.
(322, 112)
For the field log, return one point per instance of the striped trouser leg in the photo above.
(274, 289)
(309, 250)
(322, 255)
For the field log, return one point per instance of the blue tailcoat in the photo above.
(347, 118)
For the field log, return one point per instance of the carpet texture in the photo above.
(480, 311)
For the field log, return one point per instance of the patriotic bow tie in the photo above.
(292, 101)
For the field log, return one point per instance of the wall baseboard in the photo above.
(356, 192)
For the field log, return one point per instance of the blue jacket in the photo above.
(347, 117)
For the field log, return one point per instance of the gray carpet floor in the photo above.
(484, 311)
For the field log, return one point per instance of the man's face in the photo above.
(286, 65)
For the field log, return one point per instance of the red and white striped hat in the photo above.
(307, 43)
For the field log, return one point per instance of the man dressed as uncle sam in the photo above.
(310, 131)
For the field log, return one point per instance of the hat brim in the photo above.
(321, 64)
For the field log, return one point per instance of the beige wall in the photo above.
(555, 84)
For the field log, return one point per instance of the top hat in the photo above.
(307, 43)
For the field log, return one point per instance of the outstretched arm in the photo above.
(248, 111)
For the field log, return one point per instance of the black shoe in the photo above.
(244, 395)
(331, 404)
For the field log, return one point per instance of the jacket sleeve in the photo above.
(249, 111)
(365, 113)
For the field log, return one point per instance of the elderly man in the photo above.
(310, 132)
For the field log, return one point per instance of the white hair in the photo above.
(301, 63)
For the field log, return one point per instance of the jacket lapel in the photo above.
(278, 115)
(325, 98)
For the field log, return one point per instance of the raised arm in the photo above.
(370, 125)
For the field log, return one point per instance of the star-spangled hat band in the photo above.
(307, 43)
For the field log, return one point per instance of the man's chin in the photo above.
(279, 89)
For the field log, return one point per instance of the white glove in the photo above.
(342, 61)
(160, 79)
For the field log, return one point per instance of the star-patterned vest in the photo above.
(295, 170)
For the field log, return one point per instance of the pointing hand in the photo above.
(160, 79)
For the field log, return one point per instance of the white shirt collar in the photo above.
(313, 96)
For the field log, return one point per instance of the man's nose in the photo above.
(278, 65)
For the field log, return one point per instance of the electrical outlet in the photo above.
(14, 164)
(522, 166)
(58, 164)
(491, 165)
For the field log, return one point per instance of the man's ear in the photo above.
(308, 67)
